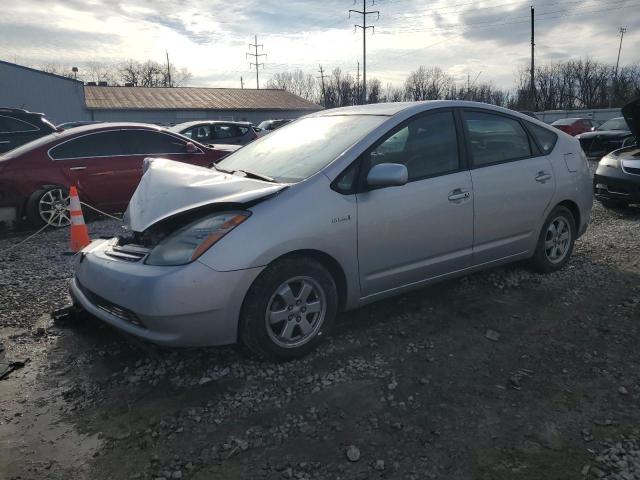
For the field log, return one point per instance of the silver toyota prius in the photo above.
(333, 211)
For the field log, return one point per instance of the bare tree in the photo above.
(297, 82)
(427, 84)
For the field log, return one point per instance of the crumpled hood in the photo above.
(168, 188)
(631, 113)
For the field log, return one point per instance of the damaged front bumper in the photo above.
(186, 306)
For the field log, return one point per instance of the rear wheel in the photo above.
(613, 204)
(49, 206)
(289, 309)
(555, 243)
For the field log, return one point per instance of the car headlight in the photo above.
(189, 242)
(609, 161)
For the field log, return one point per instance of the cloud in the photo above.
(211, 38)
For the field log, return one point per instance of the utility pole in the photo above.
(623, 30)
(168, 70)
(324, 93)
(256, 56)
(532, 84)
(358, 85)
(241, 82)
(364, 27)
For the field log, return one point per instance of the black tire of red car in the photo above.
(34, 214)
(260, 335)
(541, 261)
(613, 204)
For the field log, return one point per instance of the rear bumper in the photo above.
(616, 188)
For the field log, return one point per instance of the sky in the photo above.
(483, 40)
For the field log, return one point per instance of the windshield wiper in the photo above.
(258, 176)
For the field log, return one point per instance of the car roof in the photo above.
(393, 108)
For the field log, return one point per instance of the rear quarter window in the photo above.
(544, 137)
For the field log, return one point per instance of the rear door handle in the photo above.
(543, 176)
(77, 168)
(459, 194)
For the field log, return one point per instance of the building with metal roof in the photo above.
(64, 99)
(183, 104)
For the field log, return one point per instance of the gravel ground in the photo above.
(501, 374)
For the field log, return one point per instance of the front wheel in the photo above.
(555, 243)
(289, 309)
(49, 206)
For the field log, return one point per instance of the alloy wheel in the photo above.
(557, 240)
(53, 208)
(295, 312)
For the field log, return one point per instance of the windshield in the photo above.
(614, 124)
(298, 150)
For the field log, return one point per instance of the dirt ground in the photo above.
(504, 374)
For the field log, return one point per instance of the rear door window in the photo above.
(495, 138)
(200, 133)
(221, 131)
(101, 144)
(147, 142)
(545, 138)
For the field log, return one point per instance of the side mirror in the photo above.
(387, 175)
(191, 147)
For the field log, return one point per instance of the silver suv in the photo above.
(331, 212)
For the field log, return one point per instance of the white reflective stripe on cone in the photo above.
(77, 220)
(74, 204)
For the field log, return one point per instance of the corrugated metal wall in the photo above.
(60, 99)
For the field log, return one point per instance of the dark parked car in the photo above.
(104, 161)
(616, 182)
(269, 125)
(606, 138)
(18, 127)
(573, 126)
(217, 132)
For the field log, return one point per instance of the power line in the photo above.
(256, 56)
(364, 28)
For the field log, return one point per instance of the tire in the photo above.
(37, 205)
(613, 204)
(553, 252)
(277, 322)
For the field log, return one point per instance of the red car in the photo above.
(103, 160)
(574, 126)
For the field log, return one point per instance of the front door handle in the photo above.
(543, 176)
(77, 168)
(459, 194)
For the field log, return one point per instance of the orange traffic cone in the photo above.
(79, 233)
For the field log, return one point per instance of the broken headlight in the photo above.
(189, 242)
